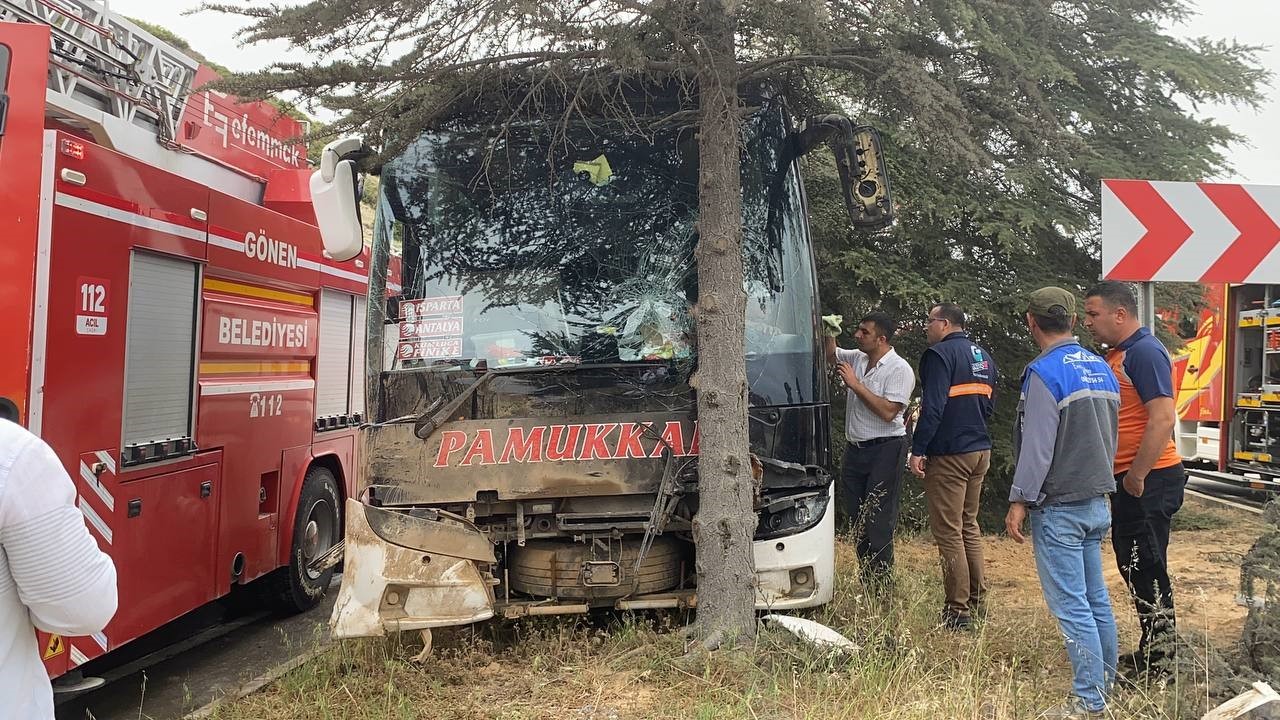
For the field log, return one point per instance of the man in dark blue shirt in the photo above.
(951, 450)
(1149, 474)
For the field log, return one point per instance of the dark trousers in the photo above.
(1140, 538)
(870, 485)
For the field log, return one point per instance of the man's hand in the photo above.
(847, 374)
(1013, 521)
(916, 463)
(1133, 484)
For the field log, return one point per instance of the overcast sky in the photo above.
(1252, 22)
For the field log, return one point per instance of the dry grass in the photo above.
(616, 667)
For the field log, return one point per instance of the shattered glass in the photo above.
(533, 245)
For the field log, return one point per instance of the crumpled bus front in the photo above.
(409, 570)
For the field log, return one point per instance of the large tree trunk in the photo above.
(726, 520)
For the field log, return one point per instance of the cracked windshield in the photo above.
(534, 247)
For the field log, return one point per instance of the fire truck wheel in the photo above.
(317, 526)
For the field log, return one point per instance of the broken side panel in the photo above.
(416, 572)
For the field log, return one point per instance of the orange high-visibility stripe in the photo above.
(970, 389)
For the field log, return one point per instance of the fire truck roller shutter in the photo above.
(160, 357)
(333, 364)
(4, 80)
(357, 357)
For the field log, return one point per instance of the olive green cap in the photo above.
(1042, 301)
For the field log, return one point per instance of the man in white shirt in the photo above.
(52, 574)
(878, 385)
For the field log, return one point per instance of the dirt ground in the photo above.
(1204, 561)
(1011, 668)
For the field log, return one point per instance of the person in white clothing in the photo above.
(53, 576)
(878, 384)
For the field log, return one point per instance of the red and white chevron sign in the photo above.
(1190, 232)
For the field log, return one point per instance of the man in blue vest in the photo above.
(951, 450)
(1063, 444)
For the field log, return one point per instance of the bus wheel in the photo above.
(317, 527)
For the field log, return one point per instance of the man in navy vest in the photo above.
(951, 450)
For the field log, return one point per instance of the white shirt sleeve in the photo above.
(848, 356)
(67, 584)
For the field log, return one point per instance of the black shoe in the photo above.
(1143, 666)
(956, 621)
(1131, 666)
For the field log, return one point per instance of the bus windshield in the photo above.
(539, 243)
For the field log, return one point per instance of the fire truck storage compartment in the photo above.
(1256, 391)
(160, 358)
(165, 554)
(339, 401)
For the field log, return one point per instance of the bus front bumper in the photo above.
(418, 573)
(798, 571)
(427, 573)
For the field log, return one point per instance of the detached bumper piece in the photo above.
(407, 570)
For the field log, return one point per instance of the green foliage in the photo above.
(1000, 119)
(172, 38)
(1192, 518)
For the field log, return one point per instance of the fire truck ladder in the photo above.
(102, 64)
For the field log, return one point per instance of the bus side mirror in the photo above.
(864, 179)
(336, 200)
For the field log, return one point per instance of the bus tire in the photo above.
(317, 526)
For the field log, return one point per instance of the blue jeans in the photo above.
(1067, 541)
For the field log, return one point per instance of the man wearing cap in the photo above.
(1063, 442)
(879, 384)
(1148, 468)
(951, 450)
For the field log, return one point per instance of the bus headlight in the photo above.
(790, 514)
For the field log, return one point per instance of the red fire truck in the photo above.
(1199, 374)
(173, 326)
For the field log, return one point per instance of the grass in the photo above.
(1192, 517)
(618, 667)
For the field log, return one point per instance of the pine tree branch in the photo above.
(523, 60)
(772, 66)
(650, 10)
